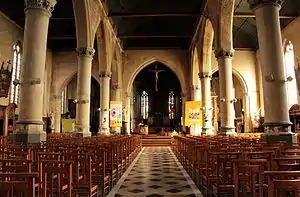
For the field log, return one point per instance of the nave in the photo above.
(156, 172)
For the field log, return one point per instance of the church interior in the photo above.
(149, 98)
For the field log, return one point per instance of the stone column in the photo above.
(195, 96)
(127, 112)
(82, 123)
(247, 117)
(224, 57)
(30, 122)
(183, 100)
(277, 123)
(116, 96)
(196, 92)
(57, 112)
(104, 103)
(205, 79)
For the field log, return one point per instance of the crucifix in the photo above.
(156, 71)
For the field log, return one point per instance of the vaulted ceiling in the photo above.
(150, 24)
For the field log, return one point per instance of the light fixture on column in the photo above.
(223, 100)
(233, 100)
(75, 101)
(270, 78)
(289, 79)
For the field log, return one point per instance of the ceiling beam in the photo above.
(247, 15)
(138, 15)
(62, 38)
(154, 36)
(64, 18)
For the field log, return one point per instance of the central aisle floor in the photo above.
(155, 172)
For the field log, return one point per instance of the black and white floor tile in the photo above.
(156, 172)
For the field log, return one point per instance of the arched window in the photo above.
(171, 104)
(16, 70)
(292, 91)
(144, 105)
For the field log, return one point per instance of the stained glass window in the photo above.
(16, 70)
(290, 72)
(171, 104)
(144, 105)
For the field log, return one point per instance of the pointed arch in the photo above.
(172, 67)
(204, 48)
(195, 67)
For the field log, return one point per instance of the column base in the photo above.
(116, 130)
(29, 132)
(274, 132)
(103, 131)
(227, 131)
(79, 134)
(207, 131)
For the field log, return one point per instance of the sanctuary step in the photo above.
(156, 140)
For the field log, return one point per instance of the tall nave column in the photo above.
(30, 121)
(104, 103)
(277, 123)
(224, 57)
(127, 112)
(205, 79)
(82, 123)
(195, 96)
(116, 96)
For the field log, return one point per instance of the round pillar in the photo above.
(116, 96)
(104, 103)
(224, 57)
(277, 123)
(205, 79)
(30, 121)
(195, 96)
(57, 113)
(82, 123)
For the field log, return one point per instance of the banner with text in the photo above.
(115, 113)
(193, 113)
(67, 125)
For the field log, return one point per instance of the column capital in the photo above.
(116, 86)
(46, 5)
(105, 74)
(254, 4)
(203, 75)
(223, 53)
(85, 52)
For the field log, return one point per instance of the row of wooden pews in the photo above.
(65, 165)
(240, 166)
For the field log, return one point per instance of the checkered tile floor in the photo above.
(156, 174)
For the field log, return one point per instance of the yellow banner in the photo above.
(193, 113)
(67, 125)
(115, 114)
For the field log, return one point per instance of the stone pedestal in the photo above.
(30, 122)
(277, 123)
(116, 96)
(82, 123)
(205, 79)
(104, 103)
(224, 57)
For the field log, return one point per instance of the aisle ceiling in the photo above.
(150, 24)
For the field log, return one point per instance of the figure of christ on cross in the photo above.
(156, 71)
